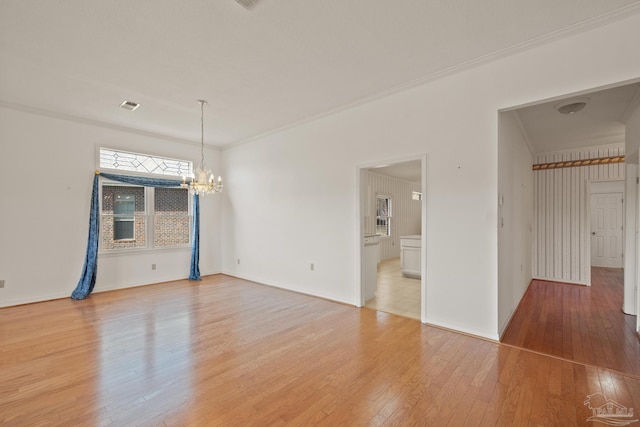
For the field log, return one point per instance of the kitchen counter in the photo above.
(411, 255)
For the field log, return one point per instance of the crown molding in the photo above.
(591, 23)
(96, 123)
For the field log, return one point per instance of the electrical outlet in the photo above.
(1, 283)
(312, 267)
(153, 266)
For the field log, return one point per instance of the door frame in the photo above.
(589, 189)
(607, 186)
(630, 222)
(362, 202)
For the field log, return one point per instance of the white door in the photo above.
(606, 230)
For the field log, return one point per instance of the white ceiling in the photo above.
(600, 122)
(282, 63)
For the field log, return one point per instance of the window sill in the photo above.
(142, 251)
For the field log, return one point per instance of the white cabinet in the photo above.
(411, 255)
(370, 258)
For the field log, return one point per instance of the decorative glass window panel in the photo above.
(143, 163)
(383, 215)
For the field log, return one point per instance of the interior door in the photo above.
(606, 230)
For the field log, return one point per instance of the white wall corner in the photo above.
(631, 233)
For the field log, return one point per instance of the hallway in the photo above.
(579, 323)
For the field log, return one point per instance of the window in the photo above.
(383, 215)
(142, 217)
(416, 195)
(134, 217)
(123, 217)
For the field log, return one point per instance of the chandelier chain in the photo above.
(202, 102)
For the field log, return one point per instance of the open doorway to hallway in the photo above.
(392, 221)
(580, 240)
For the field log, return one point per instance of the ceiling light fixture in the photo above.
(572, 106)
(247, 4)
(129, 105)
(202, 181)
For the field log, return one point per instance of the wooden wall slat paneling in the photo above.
(575, 225)
(566, 229)
(549, 224)
(561, 244)
(406, 212)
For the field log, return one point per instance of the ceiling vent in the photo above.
(129, 105)
(247, 4)
(572, 106)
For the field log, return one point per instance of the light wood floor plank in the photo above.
(581, 323)
(228, 352)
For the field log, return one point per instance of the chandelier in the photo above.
(202, 182)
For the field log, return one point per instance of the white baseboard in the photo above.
(555, 279)
(457, 328)
(287, 287)
(34, 299)
(98, 289)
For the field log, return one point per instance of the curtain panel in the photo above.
(88, 277)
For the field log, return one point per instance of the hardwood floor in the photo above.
(580, 323)
(225, 352)
(396, 294)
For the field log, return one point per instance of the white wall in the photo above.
(630, 238)
(632, 142)
(632, 134)
(515, 217)
(292, 199)
(406, 217)
(46, 170)
(561, 227)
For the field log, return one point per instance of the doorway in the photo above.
(607, 224)
(579, 223)
(392, 209)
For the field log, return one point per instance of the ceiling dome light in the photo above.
(572, 106)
